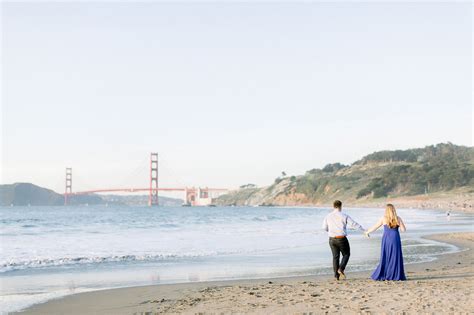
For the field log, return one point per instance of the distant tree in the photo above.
(333, 167)
(248, 186)
(283, 173)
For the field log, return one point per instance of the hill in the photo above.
(432, 170)
(24, 194)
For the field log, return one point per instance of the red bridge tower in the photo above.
(153, 197)
(68, 184)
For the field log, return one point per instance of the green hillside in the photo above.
(436, 168)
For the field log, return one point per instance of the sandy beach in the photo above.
(445, 285)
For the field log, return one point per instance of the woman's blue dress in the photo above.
(391, 257)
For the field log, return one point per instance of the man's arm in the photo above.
(325, 224)
(353, 224)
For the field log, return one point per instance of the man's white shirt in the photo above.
(336, 222)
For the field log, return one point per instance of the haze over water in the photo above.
(54, 251)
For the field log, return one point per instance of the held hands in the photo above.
(366, 233)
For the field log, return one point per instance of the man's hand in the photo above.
(366, 233)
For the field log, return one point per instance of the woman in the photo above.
(391, 258)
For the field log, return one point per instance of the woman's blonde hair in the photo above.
(391, 216)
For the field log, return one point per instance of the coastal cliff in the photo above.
(440, 173)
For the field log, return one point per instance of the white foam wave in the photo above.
(69, 261)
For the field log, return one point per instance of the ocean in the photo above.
(49, 252)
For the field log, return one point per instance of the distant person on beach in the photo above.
(335, 223)
(391, 258)
(448, 215)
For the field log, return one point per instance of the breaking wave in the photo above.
(70, 261)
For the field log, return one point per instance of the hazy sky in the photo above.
(227, 94)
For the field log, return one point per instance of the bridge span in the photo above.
(200, 196)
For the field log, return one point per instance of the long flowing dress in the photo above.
(391, 258)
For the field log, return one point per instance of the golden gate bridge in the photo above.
(192, 196)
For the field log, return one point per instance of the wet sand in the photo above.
(442, 286)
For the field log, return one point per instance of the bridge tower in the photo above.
(190, 196)
(153, 197)
(68, 184)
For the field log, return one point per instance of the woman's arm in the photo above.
(375, 227)
(402, 225)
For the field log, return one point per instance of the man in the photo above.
(335, 223)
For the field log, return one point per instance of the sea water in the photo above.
(48, 252)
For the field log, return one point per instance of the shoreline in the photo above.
(461, 204)
(258, 295)
(406, 204)
(460, 200)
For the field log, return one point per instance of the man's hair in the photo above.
(337, 204)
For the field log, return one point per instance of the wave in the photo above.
(265, 218)
(70, 261)
(9, 221)
(6, 266)
(169, 225)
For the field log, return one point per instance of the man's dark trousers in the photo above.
(339, 245)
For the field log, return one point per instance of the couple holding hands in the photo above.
(391, 258)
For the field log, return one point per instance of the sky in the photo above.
(227, 94)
